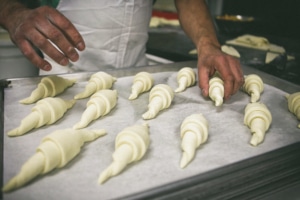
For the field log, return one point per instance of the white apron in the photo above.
(115, 33)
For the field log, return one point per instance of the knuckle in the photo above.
(41, 43)
(43, 10)
(66, 25)
(241, 80)
(28, 53)
(221, 58)
(230, 78)
(55, 35)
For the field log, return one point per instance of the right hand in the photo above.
(34, 28)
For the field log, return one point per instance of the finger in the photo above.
(227, 76)
(68, 28)
(203, 74)
(56, 36)
(58, 39)
(29, 52)
(39, 41)
(237, 73)
(228, 87)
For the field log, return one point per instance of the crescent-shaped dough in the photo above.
(49, 86)
(258, 118)
(98, 81)
(294, 104)
(186, 77)
(46, 111)
(193, 132)
(142, 82)
(216, 90)
(131, 145)
(160, 98)
(54, 151)
(100, 104)
(253, 86)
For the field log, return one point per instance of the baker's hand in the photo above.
(31, 28)
(212, 59)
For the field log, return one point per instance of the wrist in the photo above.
(207, 42)
(9, 10)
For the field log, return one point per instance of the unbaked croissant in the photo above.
(100, 104)
(131, 145)
(49, 86)
(54, 151)
(216, 90)
(294, 104)
(142, 82)
(193, 132)
(98, 81)
(160, 98)
(186, 77)
(46, 111)
(258, 118)
(254, 86)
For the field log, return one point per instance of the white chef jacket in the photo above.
(115, 33)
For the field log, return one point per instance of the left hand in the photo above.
(212, 59)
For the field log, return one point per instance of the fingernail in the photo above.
(64, 62)
(74, 56)
(204, 93)
(47, 68)
(80, 46)
(228, 97)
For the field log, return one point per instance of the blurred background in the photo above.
(275, 20)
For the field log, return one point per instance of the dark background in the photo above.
(274, 17)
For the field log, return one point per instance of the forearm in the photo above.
(196, 21)
(7, 10)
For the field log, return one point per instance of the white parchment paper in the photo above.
(228, 141)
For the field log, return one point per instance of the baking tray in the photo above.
(225, 167)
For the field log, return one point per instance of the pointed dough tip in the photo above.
(90, 135)
(100, 132)
(8, 187)
(81, 95)
(26, 101)
(186, 159)
(148, 115)
(184, 162)
(133, 96)
(219, 101)
(70, 103)
(254, 99)
(256, 140)
(179, 89)
(76, 97)
(76, 126)
(104, 176)
(14, 132)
